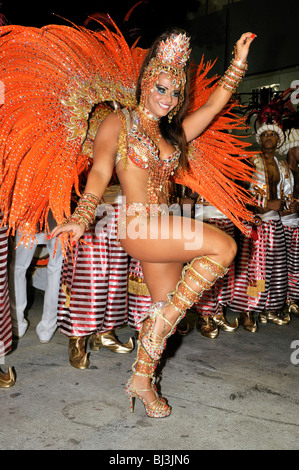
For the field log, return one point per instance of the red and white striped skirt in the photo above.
(5, 320)
(261, 270)
(93, 293)
(221, 293)
(291, 232)
(139, 299)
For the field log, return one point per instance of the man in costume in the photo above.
(261, 272)
(289, 217)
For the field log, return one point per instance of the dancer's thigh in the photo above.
(174, 239)
(161, 278)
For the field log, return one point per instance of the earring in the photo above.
(172, 113)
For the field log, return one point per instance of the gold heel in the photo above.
(7, 380)
(183, 328)
(145, 367)
(108, 340)
(291, 308)
(263, 317)
(132, 401)
(77, 355)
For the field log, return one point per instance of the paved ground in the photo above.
(239, 391)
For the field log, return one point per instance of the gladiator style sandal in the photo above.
(182, 298)
(152, 342)
(145, 326)
(144, 366)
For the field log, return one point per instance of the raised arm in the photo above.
(104, 152)
(196, 123)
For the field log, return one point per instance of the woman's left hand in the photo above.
(242, 46)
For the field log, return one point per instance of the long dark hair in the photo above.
(173, 131)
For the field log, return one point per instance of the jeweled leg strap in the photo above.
(184, 296)
(144, 365)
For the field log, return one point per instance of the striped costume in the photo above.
(261, 265)
(139, 299)
(291, 230)
(221, 293)
(5, 320)
(101, 287)
(93, 294)
(290, 224)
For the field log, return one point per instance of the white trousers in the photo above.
(21, 259)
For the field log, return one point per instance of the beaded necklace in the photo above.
(150, 124)
(159, 171)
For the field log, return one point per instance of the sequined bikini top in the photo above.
(143, 152)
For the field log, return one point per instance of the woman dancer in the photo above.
(146, 147)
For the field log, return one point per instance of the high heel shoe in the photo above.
(108, 340)
(248, 322)
(155, 409)
(274, 317)
(7, 380)
(77, 355)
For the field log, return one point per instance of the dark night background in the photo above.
(149, 18)
(214, 25)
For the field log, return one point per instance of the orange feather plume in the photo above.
(54, 77)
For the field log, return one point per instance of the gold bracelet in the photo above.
(233, 75)
(85, 212)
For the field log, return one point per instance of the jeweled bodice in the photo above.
(144, 153)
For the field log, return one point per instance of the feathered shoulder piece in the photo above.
(59, 83)
(53, 78)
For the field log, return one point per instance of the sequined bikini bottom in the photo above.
(136, 216)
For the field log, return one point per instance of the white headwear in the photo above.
(270, 127)
(291, 140)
